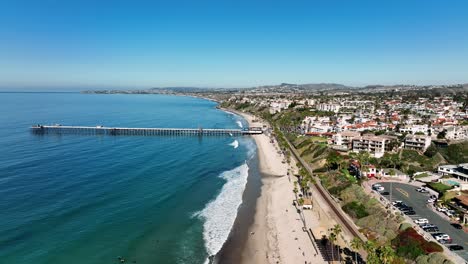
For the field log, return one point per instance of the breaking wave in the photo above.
(219, 214)
(239, 123)
(235, 144)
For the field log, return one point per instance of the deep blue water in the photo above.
(89, 199)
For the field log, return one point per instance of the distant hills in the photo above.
(280, 88)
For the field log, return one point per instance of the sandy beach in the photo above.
(276, 234)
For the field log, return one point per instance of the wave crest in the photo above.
(235, 144)
(219, 214)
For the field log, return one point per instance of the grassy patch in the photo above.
(355, 209)
(422, 175)
(439, 187)
(455, 153)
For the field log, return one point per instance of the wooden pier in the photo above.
(129, 131)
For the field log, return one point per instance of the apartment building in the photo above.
(417, 142)
(375, 145)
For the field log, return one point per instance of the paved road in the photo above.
(409, 195)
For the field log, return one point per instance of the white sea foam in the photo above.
(239, 123)
(219, 214)
(235, 144)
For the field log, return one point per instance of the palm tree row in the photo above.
(375, 254)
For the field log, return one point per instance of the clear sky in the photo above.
(223, 43)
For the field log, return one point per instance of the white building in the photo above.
(413, 129)
(328, 107)
(417, 142)
(345, 138)
(276, 107)
(456, 132)
(459, 171)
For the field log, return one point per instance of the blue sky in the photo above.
(242, 43)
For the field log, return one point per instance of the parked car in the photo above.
(397, 202)
(442, 237)
(455, 247)
(406, 208)
(385, 193)
(441, 209)
(457, 226)
(378, 187)
(431, 200)
(422, 190)
(421, 221)
(411, 212)
(431, 229)
(427, 225)
(449, 213)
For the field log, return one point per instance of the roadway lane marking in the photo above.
(405, 193)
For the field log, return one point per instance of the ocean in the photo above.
(98, 199)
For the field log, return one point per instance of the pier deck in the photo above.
(129, 131)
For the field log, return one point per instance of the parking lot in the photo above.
(409, 195)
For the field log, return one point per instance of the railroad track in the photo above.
(326, 196)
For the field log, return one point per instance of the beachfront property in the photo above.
(417, 142)
(459, 171)
(375, 145)
(345, 139)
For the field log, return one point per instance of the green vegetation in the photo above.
(379, 223)
(433, 258)
(455, 153)
(355, 210)
(439, 187)
(422, 175)
(411, 245)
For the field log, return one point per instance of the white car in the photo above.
(441, 209)
(396, 202)
(449, 213)
(422, 190)
(421, 221)
(442, 236)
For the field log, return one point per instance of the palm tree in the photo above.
(332, 239)
(371, 250)
(386, 254)
(356, 244)
(337, 231)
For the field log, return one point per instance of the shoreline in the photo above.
(270, 230)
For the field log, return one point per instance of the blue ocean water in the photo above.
(90, 199)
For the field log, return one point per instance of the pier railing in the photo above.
(128, 131)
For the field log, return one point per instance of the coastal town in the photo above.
(375, 175)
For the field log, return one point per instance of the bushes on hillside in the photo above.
(433, 258)
(411, 245)
(355, 209)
